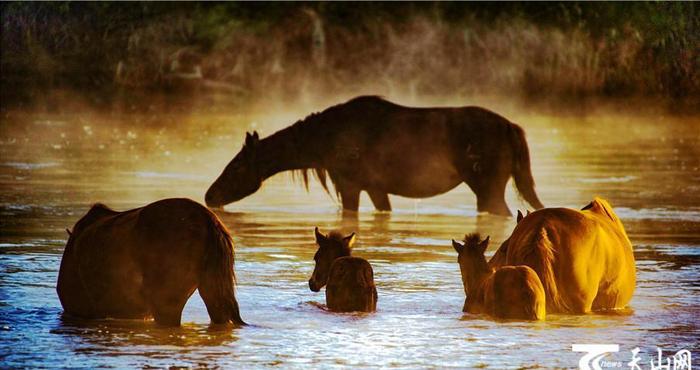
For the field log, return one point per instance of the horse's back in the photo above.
(351, 285)
(172, 217)
(581, 260)
(568, 231)
(572, 233)
(173, 232)
(351, 271)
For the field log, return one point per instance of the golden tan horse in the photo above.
(584, 258)
(508, 292)
(350, 279)
(147, 262)
(499, 258)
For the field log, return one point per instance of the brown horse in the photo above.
(508, 292)
(584, 258)
(499, 258)
(350, 280)
(370, 144)
(147, 262)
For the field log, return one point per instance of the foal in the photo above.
(350, 280)
(508, 292)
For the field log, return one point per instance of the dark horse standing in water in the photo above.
(350, 280)
(147, 262)
(383, 148)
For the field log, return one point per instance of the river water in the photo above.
(52, 167)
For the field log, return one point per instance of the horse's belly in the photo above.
(417, 178)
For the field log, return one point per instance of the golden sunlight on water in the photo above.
(53, 168)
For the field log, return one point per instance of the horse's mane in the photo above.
(335, 235)
(338, 238)
(321, 175)
(319, 118)
(472, 239)
(364, 99)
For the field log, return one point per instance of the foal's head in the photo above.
(472, 262)
(330, 247)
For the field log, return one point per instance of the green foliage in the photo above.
(611, 48)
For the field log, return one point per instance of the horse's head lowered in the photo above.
(330, 247)
(240, 178)
(472, 263)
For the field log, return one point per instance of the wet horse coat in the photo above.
(350, 280)
(584, 258)
(506, 292)
(370, 144)
(147, 262)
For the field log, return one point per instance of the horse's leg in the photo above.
(349, 191)
(350, 197)
(493, 201)
(380, 200)
(489, 185)
(577, 285)
(169, 299)
(169, 313)
(168, 290)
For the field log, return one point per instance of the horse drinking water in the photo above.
(350, 280)
(507, 292)
(370, 144)
(147, 262)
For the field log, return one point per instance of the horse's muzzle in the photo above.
(212, 200)
(313, 286)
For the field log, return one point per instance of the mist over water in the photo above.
(54, 166)
(128, 103)
(252, 57)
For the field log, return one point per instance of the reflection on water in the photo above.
(53, 168)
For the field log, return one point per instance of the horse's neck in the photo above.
(288, 149)
(344, 253)
(479, 284)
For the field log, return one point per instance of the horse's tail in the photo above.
(536, 297)
(522, 173)
(541, 260)
(217, 279)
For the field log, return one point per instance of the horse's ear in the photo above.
(528, 213)
(251, 140)
(520, 217)
(350, 239)
(458, 247)
(484, 244)
(70, 233)
(319, 237)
